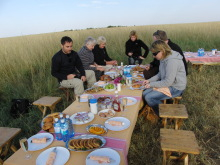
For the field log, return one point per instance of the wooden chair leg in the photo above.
(13, 148)
(164, 122)
(164, 158)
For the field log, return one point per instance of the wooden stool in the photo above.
(67, 92)
(45, 102)
(173, 111)
(176, 100)
(197, 64)
(6, 137)
(178, 141)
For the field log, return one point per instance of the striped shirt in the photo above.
(87, 58)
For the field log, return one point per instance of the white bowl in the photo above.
(110, 90)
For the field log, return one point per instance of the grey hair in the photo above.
(101, 40)
(90, 41)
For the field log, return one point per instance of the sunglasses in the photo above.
(155, 53)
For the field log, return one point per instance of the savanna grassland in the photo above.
(25, 73)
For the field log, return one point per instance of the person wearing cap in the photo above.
(153, 68)
(87, 57)
(67, 68)
(133, 49)
(171, 76)
(100, 54)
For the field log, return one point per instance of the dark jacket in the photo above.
(100, 55)
(65, 64)
(135, 48)
(175, 47)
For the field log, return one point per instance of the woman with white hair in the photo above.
(100, 54)
(87, 57)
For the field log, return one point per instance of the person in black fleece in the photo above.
(68, 69)
(133, 49)
(153, 68)
(100, 54)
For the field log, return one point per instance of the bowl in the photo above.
(110, 90)
(96, 129)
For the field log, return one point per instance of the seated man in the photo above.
(65, 64)
(153, 68)
(101, 56)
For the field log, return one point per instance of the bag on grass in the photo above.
(19, 107)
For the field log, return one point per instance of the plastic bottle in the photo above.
(57, 129)
(61, 116)
(93, 106)
(70, 126)
(125, 70)
(129, 79)
(116, 103)
(64, 130)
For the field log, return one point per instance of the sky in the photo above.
(25, 17)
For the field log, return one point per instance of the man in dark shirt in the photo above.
(68, 69)
(153, 68)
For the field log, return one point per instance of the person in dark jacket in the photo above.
(153, 68)
(101, 56)
(133, 49)
(68, 69)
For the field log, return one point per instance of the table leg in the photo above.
(13, 148)
(176, 125)
(164, 122)
(164, 158)
(44, 111)
(52, 108)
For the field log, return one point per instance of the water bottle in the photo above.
(61, 116)
(64, 130)
(70, 126)
(57, 129)
(201, 52)
(125, 70)
(129, 79)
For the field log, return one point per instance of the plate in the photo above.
(134, 100)
(39, 146)
(112, 154)
(111, 74)
(86, 136)
(62, 156)
(141, 88)
(83, 100)
(74, 121)
(100, 83)
(118, 128)
(140, 76)
(106, 110)
(96, 125)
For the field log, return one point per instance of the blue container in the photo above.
(64, 130)
(201, 52)
(57, 129)
(70, 126)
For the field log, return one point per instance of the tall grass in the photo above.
(25, 73)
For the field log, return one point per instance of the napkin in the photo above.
(100, 159)
(164, 90)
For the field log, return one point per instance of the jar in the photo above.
(93, 106)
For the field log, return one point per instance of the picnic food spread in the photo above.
(136, 85)
(82, 116)
(51, 157)
(115, 123)
(107, 114)
(84, 144)
(105, 78)
(94, 89)
(138, 68)
(97, 130)
(39, 140)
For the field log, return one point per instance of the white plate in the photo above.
(111, 74)
(85, 100)
(74, 121)
(134, 101)
(118, 128)
(106, 110)
(142, 76)
(112, 154)
(100, 85)
(62, 156)
(37, 146)
(141, 88)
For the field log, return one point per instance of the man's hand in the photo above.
(145, 82)
(70, 76)
(83, 78)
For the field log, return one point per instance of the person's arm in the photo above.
(145, 47)
(128, 49)
(107, 58)
(79, 66)
(97, 58)
(155, 78)
(56, 67)
(171, 71)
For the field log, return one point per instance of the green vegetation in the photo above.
(25, 73)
